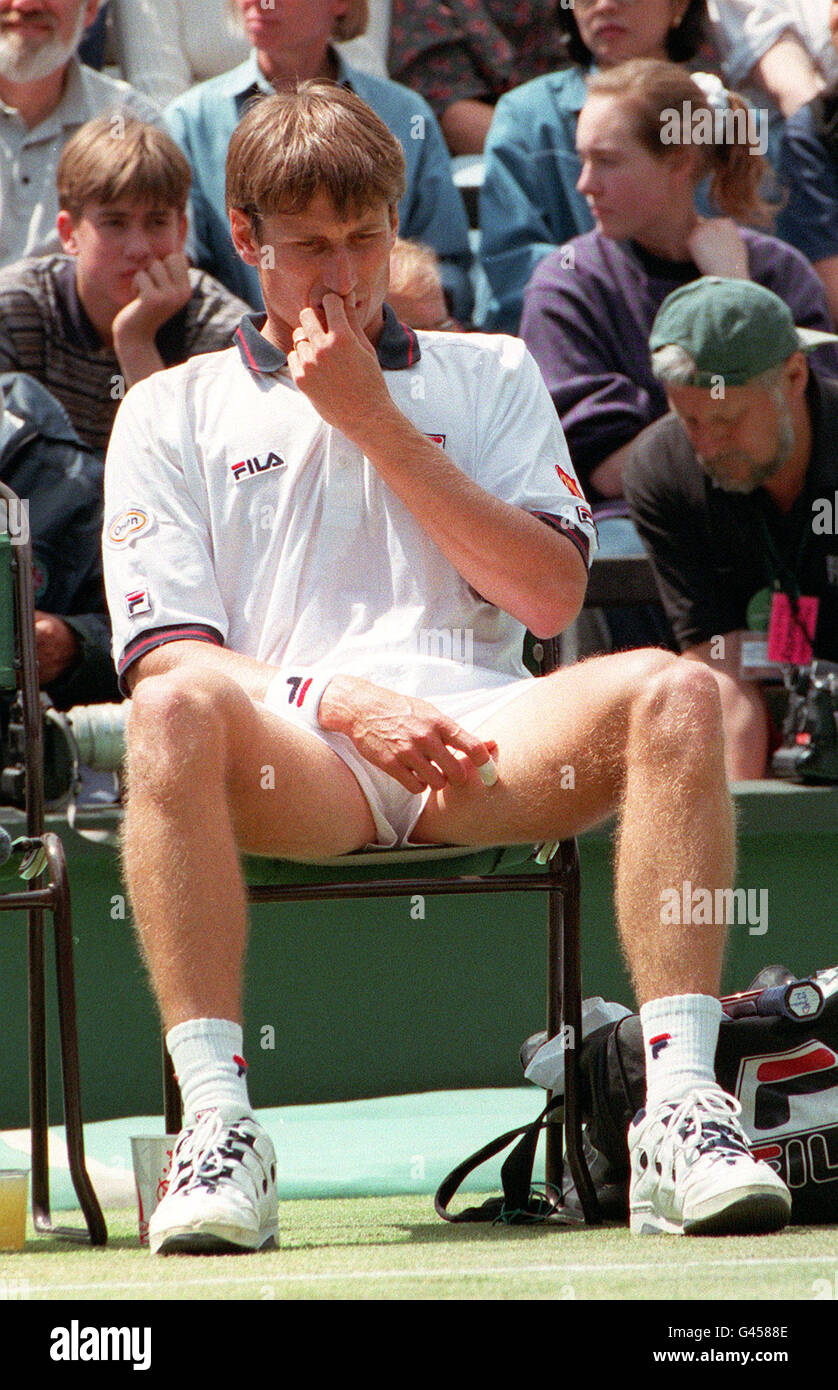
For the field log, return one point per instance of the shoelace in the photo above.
(705, 1122)
(202, 1150)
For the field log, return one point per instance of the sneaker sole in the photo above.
(187, 1241)
(754, 1213)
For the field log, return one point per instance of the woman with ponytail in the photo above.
(529, 202)
(647, 135)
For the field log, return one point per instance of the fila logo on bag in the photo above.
(248, 468)
(790, 1111)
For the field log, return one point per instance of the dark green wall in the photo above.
(364, 1000)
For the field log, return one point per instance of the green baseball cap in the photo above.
(732, 329)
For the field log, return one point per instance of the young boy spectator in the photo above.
(122, 302)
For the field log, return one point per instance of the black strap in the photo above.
(519, 1202)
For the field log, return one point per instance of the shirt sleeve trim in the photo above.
(573, 533)
(157, 637)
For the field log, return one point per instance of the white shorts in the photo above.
(394, 809)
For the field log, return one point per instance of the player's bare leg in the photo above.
(641, 736)
(638, 734)
(210, 772)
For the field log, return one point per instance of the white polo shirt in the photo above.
(236, 515)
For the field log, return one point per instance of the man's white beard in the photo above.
(24, 59)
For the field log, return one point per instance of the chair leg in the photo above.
(70, 1072)
(38, 1106)
(565, 1011)
(38, 1091)
(172, 1104)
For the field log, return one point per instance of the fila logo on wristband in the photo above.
(299, 687)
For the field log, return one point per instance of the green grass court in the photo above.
(357, 1222)
(397, 1248)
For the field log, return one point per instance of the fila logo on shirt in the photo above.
(436, 439)
(248, 468)
(138, 601)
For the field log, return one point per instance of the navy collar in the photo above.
(397, 346)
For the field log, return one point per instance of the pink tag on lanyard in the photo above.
(791, 629)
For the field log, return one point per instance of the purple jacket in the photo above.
(588, 312)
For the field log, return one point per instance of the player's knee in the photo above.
(176, 727)
(679, 707)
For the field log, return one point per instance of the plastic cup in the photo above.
(14, 1184)
(151, 1155)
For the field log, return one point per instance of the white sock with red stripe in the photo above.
(680, 1035)
(207, 1057)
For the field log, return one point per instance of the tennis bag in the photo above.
(783, 1071)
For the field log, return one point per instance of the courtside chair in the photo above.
(454, 870)
(47, 892)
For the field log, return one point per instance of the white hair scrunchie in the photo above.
(714, 90)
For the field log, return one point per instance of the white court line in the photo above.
(498, 1271)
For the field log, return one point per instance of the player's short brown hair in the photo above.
(315, 138)
(118, 156)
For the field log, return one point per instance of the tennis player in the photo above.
(294, 527)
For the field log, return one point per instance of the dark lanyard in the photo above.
(780, 563)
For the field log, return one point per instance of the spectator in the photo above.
(415, 293)
(46, 94)
(725, 494)
(166, 46)
(529, 202)
(461, 59)
(123, 302)
(60, 479)
(590, 305)
(288, 45)
(808, 169)
(774, 49)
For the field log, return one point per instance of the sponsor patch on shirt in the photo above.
(127, 525)
(138, 601)
(570, 483)
(249, 468)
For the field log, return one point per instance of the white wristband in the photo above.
(296, 695)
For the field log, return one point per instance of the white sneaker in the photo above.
(692, 1172)
(221, 1197)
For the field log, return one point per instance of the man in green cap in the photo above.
(735, 494)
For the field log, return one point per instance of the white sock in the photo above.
(207, 1057)
(680, 1034)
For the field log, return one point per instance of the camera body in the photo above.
(810, 729)
(89, 735)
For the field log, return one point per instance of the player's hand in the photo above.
(717, 247)
(334, 363)
(56, 646)
(162, 289)
(406, 737)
